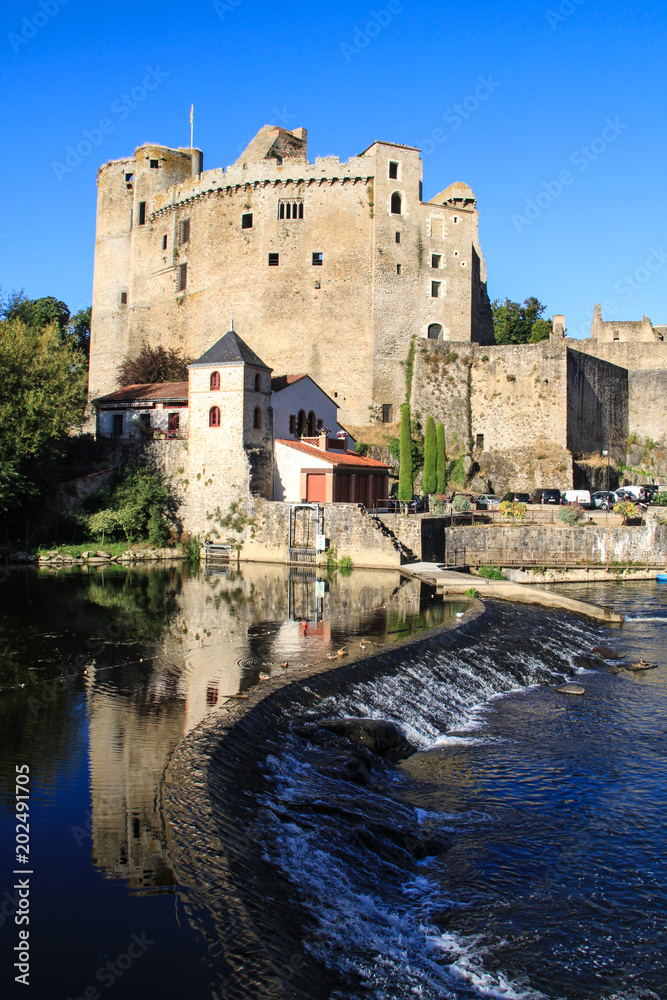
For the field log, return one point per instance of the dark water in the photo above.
(520, 854)
(102, 675)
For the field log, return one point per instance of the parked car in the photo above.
(631, 493)
(582, 497)
(517, 497)
(393, 506)
(545, 496)
(488, 501)
(604, 499)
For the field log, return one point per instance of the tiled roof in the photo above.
(347, 458)
(279, 382)
(230, 350)
(151, 392)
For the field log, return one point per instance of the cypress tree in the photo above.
(440, 459)
(405, 483)
(429, 478)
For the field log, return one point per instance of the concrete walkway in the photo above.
(449, 582)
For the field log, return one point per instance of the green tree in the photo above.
(440, 459)
(519, 324)
(37, 313)
(79, 329)
(405, 476)
(154, 364)
(429, 479)
(43, 382)
(140, 504)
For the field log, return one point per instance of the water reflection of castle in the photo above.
(227, 627)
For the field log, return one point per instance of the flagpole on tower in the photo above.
(192, 125)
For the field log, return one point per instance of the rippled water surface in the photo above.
(519, 853)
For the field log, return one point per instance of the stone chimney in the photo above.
(558, 328)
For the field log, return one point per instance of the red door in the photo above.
(316, 487)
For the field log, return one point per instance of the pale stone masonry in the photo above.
(329, 267)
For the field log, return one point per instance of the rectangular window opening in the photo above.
(164, 242)
(246, 221)
(393, 169)
(155, 164)
(398, 269)
(184, 231)
(129, 178)
(480, 441)
(274, 259)
(182, 281)
(435, 289)
(318, 258)
(398, 237)
(142, 213)
(435, 260)
(387, 413)
(292, 209)
(123, 298)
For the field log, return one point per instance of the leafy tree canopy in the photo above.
(154, 364)
(519, 324)
(43, 382)
(79, 329)
(39, 313)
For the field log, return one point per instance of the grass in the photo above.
(471, 592)
(491, 573)
(345, 565)
(113, 548)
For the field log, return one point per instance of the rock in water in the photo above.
(571, 689)
(588, 661)
(640, 665)
(377, 735)
(607, 653)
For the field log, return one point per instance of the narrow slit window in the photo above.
(274, 259)
(257, 419)
(398, 269)
(318, 258)
(123, 298)
(435, 260)
(258, 383)
(246, 221)
(435, 289)
(393, 170)
(398, 237)
(182, 277)
(142, 213)
(164, 242)
(184, 231)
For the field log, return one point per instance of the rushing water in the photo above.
(520, 853)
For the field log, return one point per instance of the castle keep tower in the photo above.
(330, 268)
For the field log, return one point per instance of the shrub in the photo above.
(627, 509)
(660, 500)
(440, 458)
(514, 510)
(491, 573)
(429, 480)
(141, 503)
(405, 474)
(345, 565)
(461, 504)
(572, 514)
(471, 592)
(438, 504)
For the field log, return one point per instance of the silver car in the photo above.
(488, 501)
(604, 499)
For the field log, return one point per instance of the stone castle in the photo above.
(328, 267)
(342, 271)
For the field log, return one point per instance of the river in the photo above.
(519, 853)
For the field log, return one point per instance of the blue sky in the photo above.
(560, 132)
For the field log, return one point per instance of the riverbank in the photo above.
(85, 555)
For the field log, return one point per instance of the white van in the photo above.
(582, 497)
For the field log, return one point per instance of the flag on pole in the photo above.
(192, 119)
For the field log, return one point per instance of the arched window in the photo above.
(395, 203)
(312, 424)
(435, 332)
(301, 422)
(257, 419)
(258, 383)
(215, 381)
(214, 416)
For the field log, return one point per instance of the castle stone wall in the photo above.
(597, 406)
(648, 404)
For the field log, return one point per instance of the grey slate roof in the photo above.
(230, 350)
